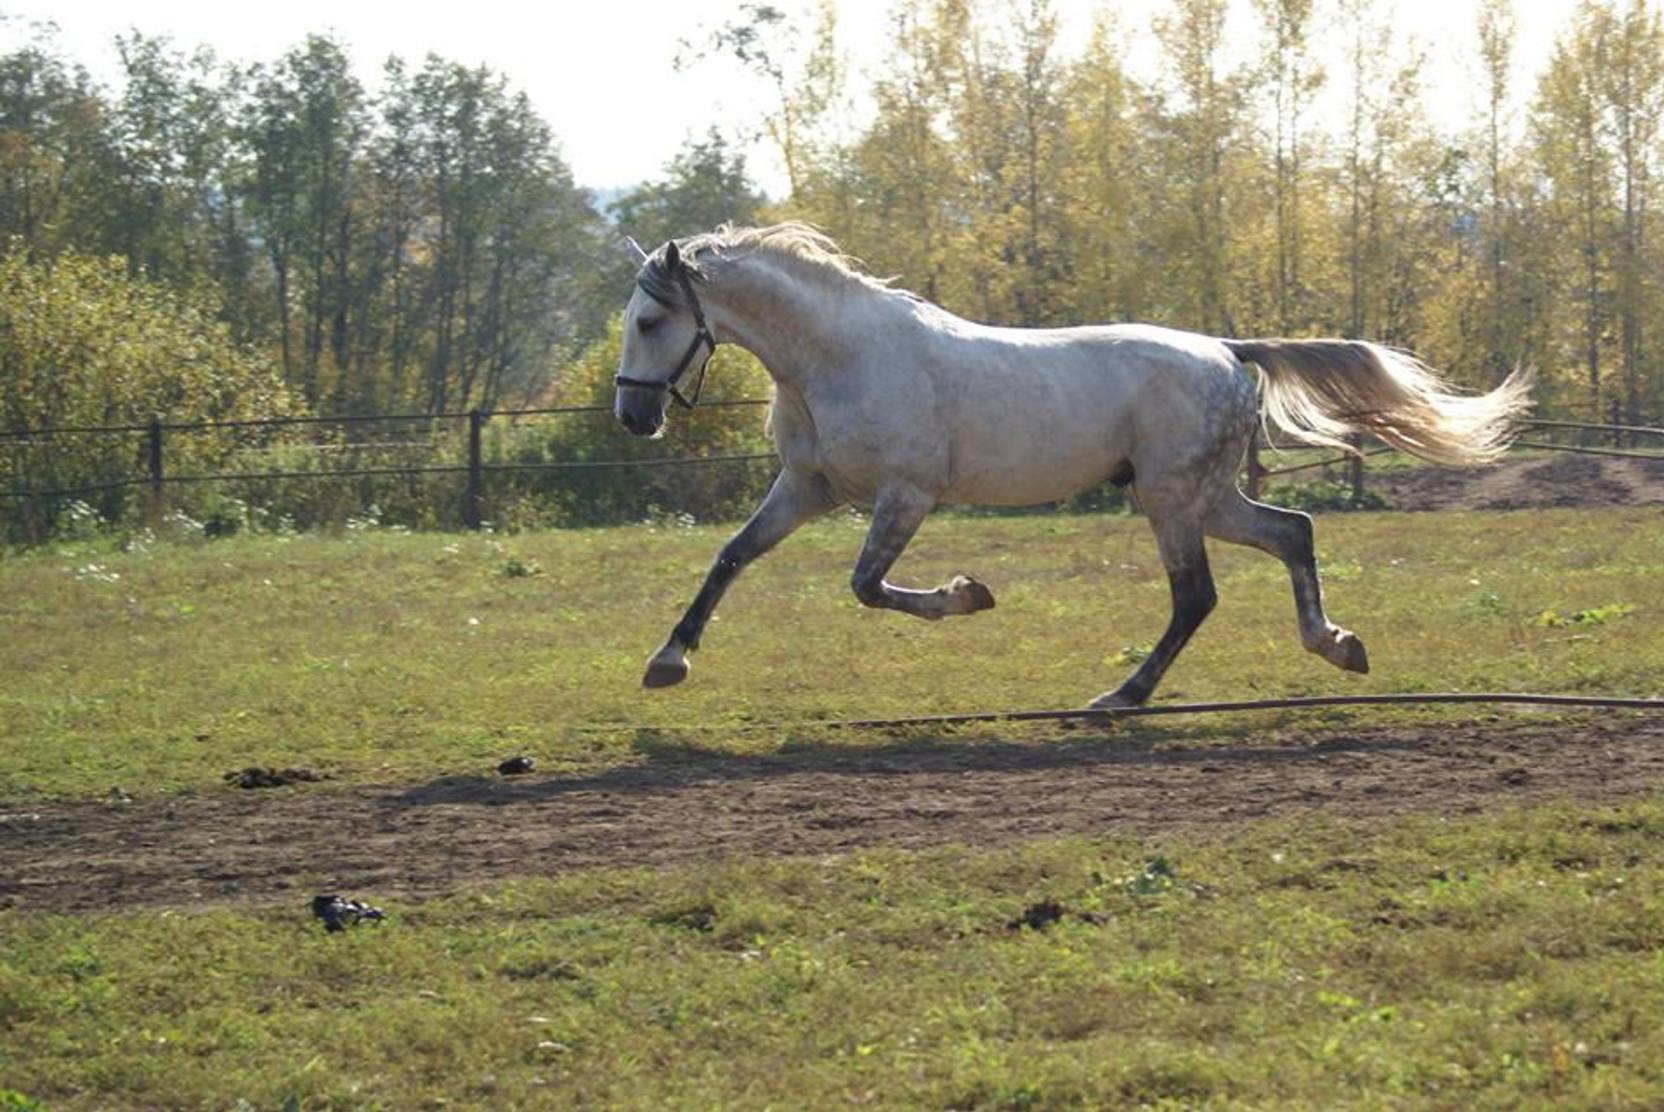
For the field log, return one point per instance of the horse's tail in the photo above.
(1320, 390)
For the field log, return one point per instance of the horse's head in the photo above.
(666, 341)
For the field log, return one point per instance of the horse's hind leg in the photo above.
(1287, 535)
(1179, 537)
(896, 515)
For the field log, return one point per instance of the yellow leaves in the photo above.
(84, 343)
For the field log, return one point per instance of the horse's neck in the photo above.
(791, 320)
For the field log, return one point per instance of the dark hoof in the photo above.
(664, 673)
(980, 596)
(1355, 659)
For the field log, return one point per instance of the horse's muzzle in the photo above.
(640, 420)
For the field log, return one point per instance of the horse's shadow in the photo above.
(669, 762)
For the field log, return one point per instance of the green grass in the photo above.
(379, 656)
(1511, 961)
(1503, 961)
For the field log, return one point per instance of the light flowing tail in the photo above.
(1320, 390)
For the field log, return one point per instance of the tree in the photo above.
(1200, 119)
(304, 125)
(55, 157)
(704, 185)
(1293, 80)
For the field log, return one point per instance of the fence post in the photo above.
(156, 478)
(471, 503)
(1355, 469)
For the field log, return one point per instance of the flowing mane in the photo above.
(792, 240)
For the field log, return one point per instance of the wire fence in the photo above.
(1582, 431)
(104, 461)
(462, 433)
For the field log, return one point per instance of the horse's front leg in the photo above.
(896, 516)
(793, 499)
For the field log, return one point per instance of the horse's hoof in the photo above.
(1344, 650)
(969, 595)
(665, 672)
(981, 597)
(1353, 657)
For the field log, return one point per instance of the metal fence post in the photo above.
(156, 477)
(471, 503)
(1355, 467)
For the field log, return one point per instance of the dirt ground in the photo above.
(1524, 484)
(279, 846)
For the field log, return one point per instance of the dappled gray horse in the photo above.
(887, 402)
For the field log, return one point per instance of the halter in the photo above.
(701, 337)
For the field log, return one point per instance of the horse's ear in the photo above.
(636, 253)
(672, 256)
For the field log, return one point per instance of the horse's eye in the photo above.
(647, 325)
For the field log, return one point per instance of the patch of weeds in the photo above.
(1158, 877)
(699, 917)
(79, 522)
(1487, 602)
(225, 517)
(11, 1101)
(516, 568)
(534, 963)
(1322, 494)
(1131, 654)
(1595, 616)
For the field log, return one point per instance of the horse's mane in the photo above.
(792, 239)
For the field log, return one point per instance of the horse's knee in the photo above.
(868, 588)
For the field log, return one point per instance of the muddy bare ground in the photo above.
(260, 848)
(1524, 483)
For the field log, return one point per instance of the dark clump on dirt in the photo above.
(256, 777)
(1524, 484)
(1039, 916)
(339, 913)
(700, 917)
(1048, 912)
(517, 766)
(416, 841)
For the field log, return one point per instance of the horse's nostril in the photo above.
(631, 425)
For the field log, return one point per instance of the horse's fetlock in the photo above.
(869, 589)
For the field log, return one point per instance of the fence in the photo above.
(474, 469)
(446, 443)
(1583, 431)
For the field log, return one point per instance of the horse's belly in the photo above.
(1026, 472)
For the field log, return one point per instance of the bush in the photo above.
(1321, 495)
(607, 495)
(84, 343)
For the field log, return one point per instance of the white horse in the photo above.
(887, 402)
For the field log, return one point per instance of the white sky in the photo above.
(602, 75)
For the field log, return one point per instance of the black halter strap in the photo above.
(701, 338)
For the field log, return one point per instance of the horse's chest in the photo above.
(861, 443)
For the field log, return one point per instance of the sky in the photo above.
(604, 75)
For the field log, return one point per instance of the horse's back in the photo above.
(1034, 415)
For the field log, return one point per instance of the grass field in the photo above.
(1511, 959)
(386, 656)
